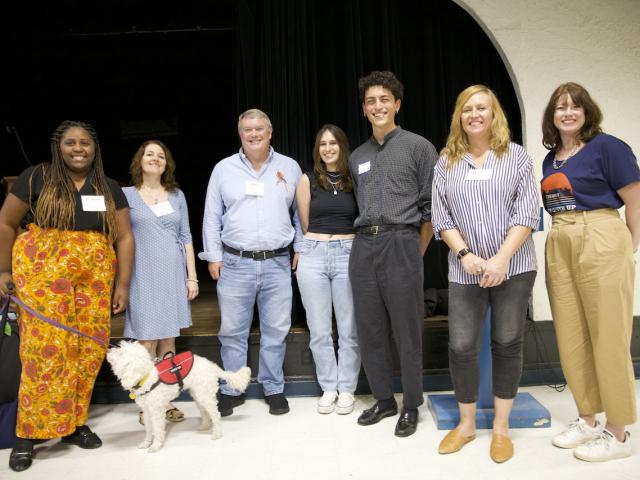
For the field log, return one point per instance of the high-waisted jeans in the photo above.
(323, 280)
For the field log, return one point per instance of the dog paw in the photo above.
(216, 434)
(144, 444)
(154, 447)
(204, 426)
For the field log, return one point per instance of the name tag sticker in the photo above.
(93, 203)
(479, 174)
(161, 209)
(364, 168)
(251, 187)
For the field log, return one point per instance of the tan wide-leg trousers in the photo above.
(590, 270)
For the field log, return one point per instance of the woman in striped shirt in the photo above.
(485, 206)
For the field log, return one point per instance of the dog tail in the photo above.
(237, 380)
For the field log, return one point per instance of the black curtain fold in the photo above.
(300, 62)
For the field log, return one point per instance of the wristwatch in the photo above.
(463, 252)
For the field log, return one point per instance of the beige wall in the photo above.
(546, 42)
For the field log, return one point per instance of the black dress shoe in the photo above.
(407, 423)
(376, 413)
(84, 438)
(21, 455)
(226, 403)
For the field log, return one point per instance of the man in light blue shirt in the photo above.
(250, 221)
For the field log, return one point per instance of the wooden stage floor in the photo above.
(205, 316)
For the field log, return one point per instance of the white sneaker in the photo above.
(327, 402)
(605, 447)
(578, 433)
(345, 404)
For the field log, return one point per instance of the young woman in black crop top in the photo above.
(327, 210)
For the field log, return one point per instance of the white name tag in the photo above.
(93, 203)
(251, 187)
(161, 209)
(479, 174)
(364, 167)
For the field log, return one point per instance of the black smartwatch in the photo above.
(463, 252)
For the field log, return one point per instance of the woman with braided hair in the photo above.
(63, 268)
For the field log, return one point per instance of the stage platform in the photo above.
(202, 339)
(541, 363)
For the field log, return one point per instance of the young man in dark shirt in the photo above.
(392, 174)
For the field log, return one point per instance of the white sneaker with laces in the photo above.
(345, 404)
(605, 447)
(327, 402)
(579, 432)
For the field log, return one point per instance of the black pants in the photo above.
(386, 278)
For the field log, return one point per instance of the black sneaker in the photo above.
(226, 403)
(84, 438)
(278, 404)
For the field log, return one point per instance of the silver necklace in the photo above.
(559, 163)
(333, 184)
(150, 194)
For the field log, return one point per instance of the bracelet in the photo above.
(192, 280)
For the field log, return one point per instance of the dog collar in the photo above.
(132, 394)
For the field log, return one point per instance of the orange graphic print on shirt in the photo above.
(557, 194)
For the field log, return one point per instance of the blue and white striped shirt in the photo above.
(483, 211)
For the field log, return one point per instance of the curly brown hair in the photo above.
(320, 168)
(580, 96)
(167, 180)
(383, 79)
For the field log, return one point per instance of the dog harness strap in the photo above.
(173, 369)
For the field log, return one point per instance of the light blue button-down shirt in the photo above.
(246, 221)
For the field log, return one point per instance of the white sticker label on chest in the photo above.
(254, 188)
(93, 203)
(161, 209)
(479, 174)
(364, 167)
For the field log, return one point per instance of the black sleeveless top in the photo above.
(331, 211)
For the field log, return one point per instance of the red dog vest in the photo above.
(174, 368)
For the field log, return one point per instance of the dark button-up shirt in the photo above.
(392, 181)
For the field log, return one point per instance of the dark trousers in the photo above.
(467, 309)
(386, 279)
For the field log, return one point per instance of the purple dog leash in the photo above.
(32, 312)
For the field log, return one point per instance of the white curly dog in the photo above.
(137, 373)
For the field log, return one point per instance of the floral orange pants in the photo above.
(66, 276)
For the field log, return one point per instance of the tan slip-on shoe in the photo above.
(453, 441)
(501, 448)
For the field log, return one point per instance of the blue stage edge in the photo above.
(527, 412)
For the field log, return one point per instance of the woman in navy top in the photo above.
(327, 210)
(587, 176)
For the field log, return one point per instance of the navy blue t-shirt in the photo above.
(590, 179)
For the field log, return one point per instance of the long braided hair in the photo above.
(55, 207)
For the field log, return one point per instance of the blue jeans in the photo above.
(242, 283)
(323, 279)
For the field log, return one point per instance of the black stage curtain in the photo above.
(300, 61)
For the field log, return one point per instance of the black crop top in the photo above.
(83, 220)
(330, 213)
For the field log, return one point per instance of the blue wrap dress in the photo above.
(158, 305)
